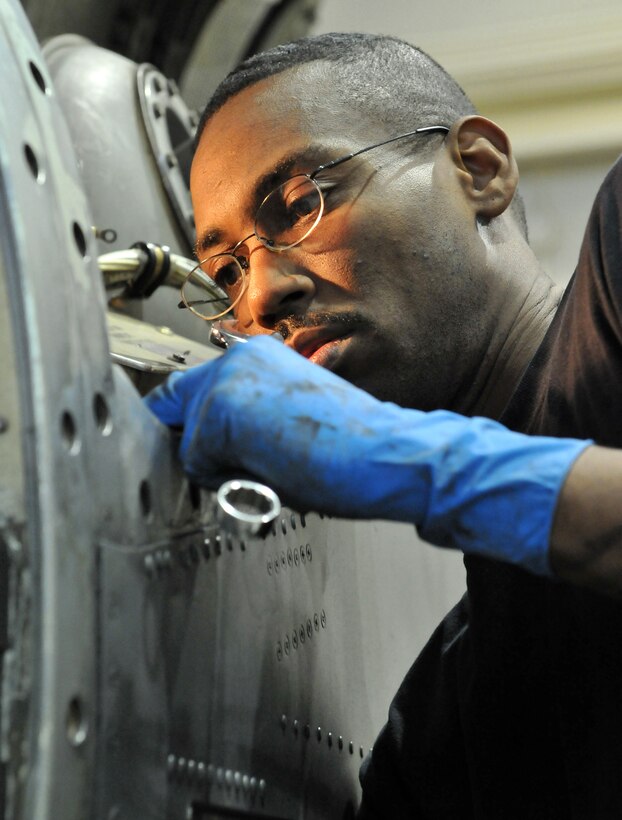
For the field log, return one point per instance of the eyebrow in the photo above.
(266, 183)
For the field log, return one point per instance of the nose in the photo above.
(278, 286)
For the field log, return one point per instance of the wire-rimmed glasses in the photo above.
(284, 219)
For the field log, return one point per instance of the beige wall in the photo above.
(549, 72)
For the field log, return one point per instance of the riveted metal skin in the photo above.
(154, 666)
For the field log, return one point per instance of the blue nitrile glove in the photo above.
(326, 445)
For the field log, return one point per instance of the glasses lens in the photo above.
(289, 213)
(214, 287)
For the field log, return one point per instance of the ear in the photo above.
(487, 170)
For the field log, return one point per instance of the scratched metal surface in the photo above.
(152, 667)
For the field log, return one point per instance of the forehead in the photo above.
(258, 127)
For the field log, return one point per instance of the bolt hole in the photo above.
(76, 723)
(38, 77)
(33, 164)
(194, 493)
(101, 411)
(144, 493)
(69, 432)
(80, 239)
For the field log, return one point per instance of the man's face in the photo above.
(385, 290)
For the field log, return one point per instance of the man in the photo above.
(405, 269)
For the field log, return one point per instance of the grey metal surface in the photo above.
(114, 131)
(154, 666)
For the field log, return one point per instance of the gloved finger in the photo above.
(169, 401)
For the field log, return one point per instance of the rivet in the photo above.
(167, 559)
(286, 645)
(269, 566)
(296, 558)
(323, 619)
(206, 549)
(283, 526)
(253, 784)
(292, 521)
(210, 773)
(295, 639)
(283, 559)
(301, 634)
(290, 556)
(295, 728)
(243, 546)
(262, 787)
(181, 767)
(217, 545)
(192, 766)
(351, 748)
(309, 628)
(303, 519)
(318, 733)
(283, 722)
(309, 553)
(361, 752)
(150, 566)
(229, 543)
(307, 731)
(340, 743)
(237, 779)
(277, 565)
(201, 771)
(329, 739)
(229, 778)
(245, 782)
(316, 622)
(220, 776)
(279, 651)
(171, 764)
(303, 556)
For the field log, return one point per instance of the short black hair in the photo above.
(386, 79)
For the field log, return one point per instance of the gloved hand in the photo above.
(326, 445)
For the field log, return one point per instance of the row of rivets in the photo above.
(196, 772)
(307, 733)
(189, 556)
(293, 558)
(292, 523)
(300, 634)
(157, 562)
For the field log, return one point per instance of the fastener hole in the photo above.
(101, 412)
(79, 238)
(38, 77)
(76, 723)
(194, 493)
(69, 432)
(33, 164)
(144, 494)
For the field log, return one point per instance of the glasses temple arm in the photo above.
(425, 129)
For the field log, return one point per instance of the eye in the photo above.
(289, 213)
(300, 200)
(227, 271)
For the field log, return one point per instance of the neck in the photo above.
(494, 386)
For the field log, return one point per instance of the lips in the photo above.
(309, 341)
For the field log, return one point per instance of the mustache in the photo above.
(288, 324)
